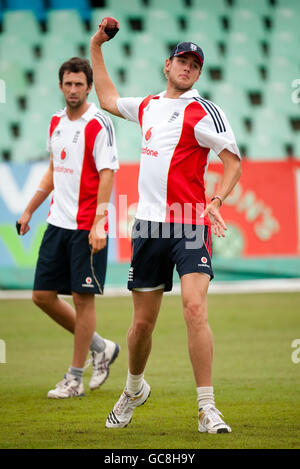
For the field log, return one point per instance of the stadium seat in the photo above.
(285, 44)
(282, 96)
(261, 7)
(150, 48)
(228, 96)
(37, 6)
(242, 72)
(14, 77)
(56, 47)
(68, 23)
(286, 19)
(23, 24)
(133, 7)
(216, 7)
(240, 43)
(9, 110)
(178, 7)
(163, 24)
(248, 22)
(6, 138)
(83, 7)
(14, 50)
(205, 22)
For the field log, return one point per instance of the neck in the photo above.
(174, 93)
(74, 114)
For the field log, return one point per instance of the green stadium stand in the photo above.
(177, 7)
(133, 7)
(265, 147)
(240, 43)
(24, 24)
(165, 25)
(282, 96)
(150, 48)
(229, 97)
(212, 56)
(67, 24)
(260, 7)
(205, 22)
(57, 48)
(216, 7)
(145, 77)
(9, 111)
(46, 72)
(242, 72)
(6, 138)
(14, 50)
(286, 44)
(248, 22)
(287, 19)
(14, 77)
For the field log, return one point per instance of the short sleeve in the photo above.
(214, 131)
(105, 149)
(129, 108)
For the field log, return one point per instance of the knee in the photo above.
(141, 328)
(42, 299)
(82, 301)
(195, 314)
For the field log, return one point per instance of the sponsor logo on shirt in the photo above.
(149, 134)
(63, 154)
(147, 151)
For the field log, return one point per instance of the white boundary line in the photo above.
(246, 286)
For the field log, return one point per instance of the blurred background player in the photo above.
(179, 128)
(73, 254)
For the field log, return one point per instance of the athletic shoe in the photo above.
(210, 421)
(122, 412)
(101, 362)
(68, 387)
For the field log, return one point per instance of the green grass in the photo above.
(256, 383)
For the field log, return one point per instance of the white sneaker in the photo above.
(211, 422)
(122, 412)
(68, 387)
(101, 362)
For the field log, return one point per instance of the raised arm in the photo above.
(105, 89)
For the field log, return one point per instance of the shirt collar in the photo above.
(187, 95)
(88, 113)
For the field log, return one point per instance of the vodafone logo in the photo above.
(204, 260)
(88, 280)
(63, 154)
(149, 134)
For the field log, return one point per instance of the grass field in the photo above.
(256, 382)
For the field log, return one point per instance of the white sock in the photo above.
(205, 395)
(134, 382)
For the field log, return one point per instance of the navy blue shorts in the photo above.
(158, 247)
(65, 263)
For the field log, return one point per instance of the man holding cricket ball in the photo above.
(173, 222)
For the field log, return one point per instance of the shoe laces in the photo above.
(100, 362)
(122, 404)
(214, 415)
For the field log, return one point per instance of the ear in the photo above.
(168, 63)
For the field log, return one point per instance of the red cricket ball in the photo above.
(112, 27)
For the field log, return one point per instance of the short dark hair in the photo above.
(76, 65)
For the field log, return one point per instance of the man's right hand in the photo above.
(24, 220)
(100, 36)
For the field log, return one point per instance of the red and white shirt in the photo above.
(177, 135)
(80, 149)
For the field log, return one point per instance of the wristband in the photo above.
(217, 197)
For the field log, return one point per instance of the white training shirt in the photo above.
(177, 135)
(80, 149)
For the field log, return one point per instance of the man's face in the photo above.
(183, 71)
(75, 89)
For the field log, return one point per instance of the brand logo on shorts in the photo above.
(204, 260)
(88, 282)
(130, 275)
